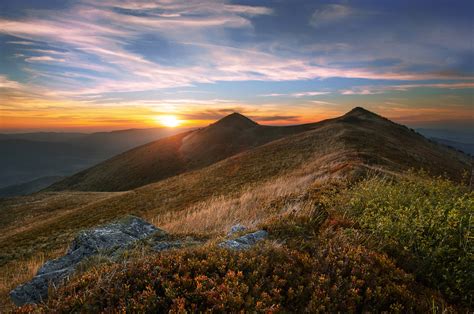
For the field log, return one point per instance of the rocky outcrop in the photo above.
(236, 228)
(109, 239)
(246, 241)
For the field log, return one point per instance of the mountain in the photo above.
(28, 187)
(43, 136)
(29, 156)
(462, 140)
(177, 154)
(369, 135)
(25, 160)
(467, 148)
(282, 179)
(463, 136)
(115, 142)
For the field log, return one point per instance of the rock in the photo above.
(109, 238)
(246, 241)
(236, 228)
(167, 245)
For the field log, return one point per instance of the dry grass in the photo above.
(17, 272)
(22, 213)
(218, 214)
(255, 202)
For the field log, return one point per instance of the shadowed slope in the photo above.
(176, 154)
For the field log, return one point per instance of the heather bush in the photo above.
(331, 275)
(426, 224)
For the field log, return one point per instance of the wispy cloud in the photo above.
(44, 59)
(9, 84)
(21, 42)
(320, 102)
(372, 90)
(330, 13)
(96, 31)
(300, 94)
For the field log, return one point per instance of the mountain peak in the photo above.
(361, 113)
(236, 120)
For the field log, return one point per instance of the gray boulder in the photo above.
(246, 241)
(109, 239)
(167, 245)
(236, 228)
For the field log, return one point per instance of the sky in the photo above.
(89, 65)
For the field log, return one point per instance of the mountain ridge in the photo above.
(233, 135)
(174, 155)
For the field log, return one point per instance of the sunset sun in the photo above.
(168, 121)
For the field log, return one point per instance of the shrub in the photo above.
(426, 224)
(330, 276)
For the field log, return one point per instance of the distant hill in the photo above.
(43, 136)
(25, 160)
(467, 148)
(463, 136)
(28, 187)
(29, 156)
(176, 154)
(457, 139)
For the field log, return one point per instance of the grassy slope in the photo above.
(175, 155)
(347, 146)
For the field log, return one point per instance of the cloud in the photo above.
(182, 7)
(320, 102)
(9, 84)
(330, 13)
(301, 94)
(275, 118)
(92, 46)
(44, 59)
(373, 90)
(21, 42)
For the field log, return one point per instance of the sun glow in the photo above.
(168, 121)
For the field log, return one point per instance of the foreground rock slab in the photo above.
(246, 241)
(109, 238)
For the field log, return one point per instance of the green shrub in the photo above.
(426, 224)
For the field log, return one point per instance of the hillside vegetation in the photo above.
(297, 187)
(315, 260)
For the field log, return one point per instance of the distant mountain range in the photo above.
(28, 187)
(30, 156)
(460, 140)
